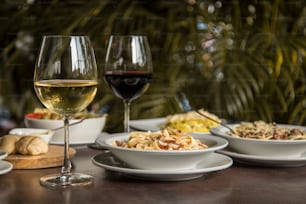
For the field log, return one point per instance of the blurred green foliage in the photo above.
(242, 60)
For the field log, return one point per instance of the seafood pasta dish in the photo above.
(166, 139)
(268, 131)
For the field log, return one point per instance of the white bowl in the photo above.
(164, 159)
(260, 147)
(85, 132)
(45, 134)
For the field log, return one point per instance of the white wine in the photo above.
(66, 96)
(72, 59)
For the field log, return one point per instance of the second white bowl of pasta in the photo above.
(265, 139)
(163, 150)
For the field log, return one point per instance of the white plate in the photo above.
(265, 161)
(3, 154)
(5, 167)
(153, 124)
(215, 162)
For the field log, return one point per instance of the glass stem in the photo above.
(66, 168)
(126, 116)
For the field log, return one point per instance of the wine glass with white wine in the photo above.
(65, 81)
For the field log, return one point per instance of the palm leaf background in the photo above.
(243, 60)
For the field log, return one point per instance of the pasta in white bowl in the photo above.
(264, 139)
(162, 150)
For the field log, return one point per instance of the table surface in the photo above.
(237, 184)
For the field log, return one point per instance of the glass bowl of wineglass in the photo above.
(65, 81)
(128, 69)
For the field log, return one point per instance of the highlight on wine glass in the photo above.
(65, 81)
(128, 69)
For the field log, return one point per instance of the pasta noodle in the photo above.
(166, 139)
(267, 131)
(191, 121)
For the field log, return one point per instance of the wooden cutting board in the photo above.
(53, 158)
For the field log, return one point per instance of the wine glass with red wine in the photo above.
(128, 69)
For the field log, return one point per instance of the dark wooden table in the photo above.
(237, 184)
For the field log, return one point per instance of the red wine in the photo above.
(128, 85)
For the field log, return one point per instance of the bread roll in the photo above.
(7, 143)
(31, 145)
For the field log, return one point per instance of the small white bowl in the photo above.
(164, 159)
(83, 133)
(260, 147)
(45, 134)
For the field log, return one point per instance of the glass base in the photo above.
(65, 181)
